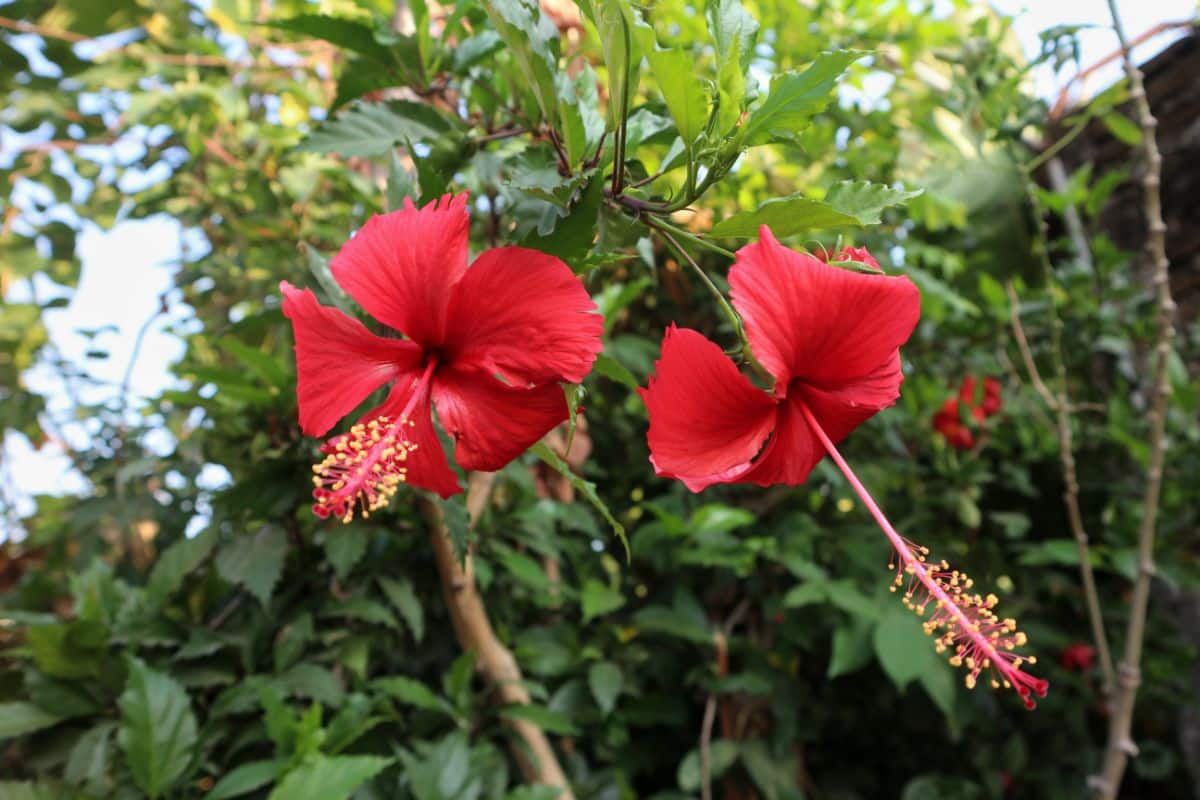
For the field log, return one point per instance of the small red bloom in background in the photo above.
(1078, 657)
(830, 338)
(948, 420)
(515, 313)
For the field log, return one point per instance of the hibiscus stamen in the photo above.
(963, 623)
(364, 466)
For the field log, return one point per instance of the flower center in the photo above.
(364, 466)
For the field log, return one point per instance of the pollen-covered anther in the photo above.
(362, 468)
(964, 623)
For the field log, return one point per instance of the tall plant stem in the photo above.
(1120, 744)
(530, 746)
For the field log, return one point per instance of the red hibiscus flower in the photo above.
(948, 421)
(486, 345)
(1078, 657)
(830, 339)
(805, 324)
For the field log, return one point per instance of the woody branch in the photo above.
(530, 746)
(1120, 744)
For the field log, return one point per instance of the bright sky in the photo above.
(126, 270)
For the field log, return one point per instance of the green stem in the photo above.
(665, 231)
(699, 241)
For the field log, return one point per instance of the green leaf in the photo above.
(774, 776)
(458, 525)
(414, 693)
(610, 368)
(532, 41)
(88, 763)
(403, 597)
(371, 129)
(598, 599)
(245, 778)
(27, 790)
(400, 184)
(585, 488)
(674, 622)
(605, 679)
(614, 22)
(852, 646)
(345, 547)
(176, 562)
(850, 203)
(573, 233)
(723, 754)
(733, 31)
(263, 364)
(158, 729)
(903, 649)
(785, 216)
(312, 681)
(1123, 128)
(684, 95)
(525, 570)
(474, 49)
(544, 718)
(67, 649)
(255, 561)
(1059, 552)
(19, 718)
(328, 778)
(865, 201)
(347, 34)
(940, 787)
(318, 265)
(938, 682)
(795, 97)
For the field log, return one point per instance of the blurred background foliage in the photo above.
(165, 638)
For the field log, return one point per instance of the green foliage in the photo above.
(158, 729)
(272, 655)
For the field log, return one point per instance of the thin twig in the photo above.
(1035, 377)
(734, 319)
(706, 729)
(1060, 405)
(721, 645)
(1120, 744)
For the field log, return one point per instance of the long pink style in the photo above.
(963, 622)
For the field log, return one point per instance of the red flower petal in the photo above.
(338, 361)
(844, 407)
(525, 315)
(806, 319)
(792, 452)
(427, 465)
(400, 266)
(795, 450)
(707, 421)
(492, 423)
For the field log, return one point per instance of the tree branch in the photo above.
(530, 746)
(1120, 745)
